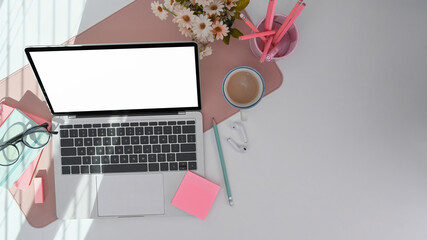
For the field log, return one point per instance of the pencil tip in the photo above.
(213, 120)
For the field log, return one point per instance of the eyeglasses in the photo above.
(35, 138)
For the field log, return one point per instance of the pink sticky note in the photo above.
(195, 195)
(38, 190)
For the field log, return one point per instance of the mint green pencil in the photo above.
(221, 158)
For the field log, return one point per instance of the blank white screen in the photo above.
(118, 79)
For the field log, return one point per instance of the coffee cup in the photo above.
(243, 88)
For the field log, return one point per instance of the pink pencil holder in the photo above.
(286, 45)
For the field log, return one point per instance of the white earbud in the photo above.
(240, 148)
(239, 127)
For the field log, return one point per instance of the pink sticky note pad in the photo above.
(195, 195)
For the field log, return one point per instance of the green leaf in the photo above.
(241, 5)
(226, 39)
(235, 33)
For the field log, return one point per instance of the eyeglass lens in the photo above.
(8, 155)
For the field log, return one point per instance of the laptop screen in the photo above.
(111, 78)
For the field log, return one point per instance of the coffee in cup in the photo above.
(243, 87)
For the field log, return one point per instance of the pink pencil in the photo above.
(251, 25)
(266, 49)
(259, 34)
(285, 23)
(268, 24)
(279, 36)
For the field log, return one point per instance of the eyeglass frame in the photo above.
(20, 137)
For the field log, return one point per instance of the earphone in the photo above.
(240, 148)
(239, 127)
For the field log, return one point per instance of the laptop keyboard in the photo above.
(150, 146)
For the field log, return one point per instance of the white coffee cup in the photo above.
(243, 88)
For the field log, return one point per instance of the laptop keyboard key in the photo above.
(68, 152)
(142, 158)
(144, 140)
(86, 160)
(192, 165)
(95, 169)
(111, 132)
(164, 166)
(173, 166)
(189, 129)
(148, 130)
(117, 168)
(152, 158)
(182, 166)
(96, 160)
(191, 138)
(124, 158)
(90, 151)
(182, 138)
(92, 132)
(73, 133)
(125, 140)
(188, 147)
(115, 140)
(75, 169)
(186, 156)
(63, 133)
(66, 170)
(88, 142)
(84, 169)
(71, 160)
(114, 159)
(167, 130)
(82, 132)
(133, 158)
(67, 142)
(153, 167)
(156, 148)
(78, 142)
(105, 159)
(97, 141)
(102, 132)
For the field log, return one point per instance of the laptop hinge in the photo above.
(182, 113)
(72, 116)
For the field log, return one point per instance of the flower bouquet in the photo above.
(204, 21)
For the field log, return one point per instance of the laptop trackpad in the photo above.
(130, 195)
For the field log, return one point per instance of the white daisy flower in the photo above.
(206, 52)
(184, 18)
(214, 7)
(204, 2)
(158, 10)
(219, 30)
(229, 3)
(202, 27)
(186, 32)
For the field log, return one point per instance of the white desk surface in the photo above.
(338, 152)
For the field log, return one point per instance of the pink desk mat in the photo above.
(134, 23)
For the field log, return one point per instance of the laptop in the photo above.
(129, 121)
